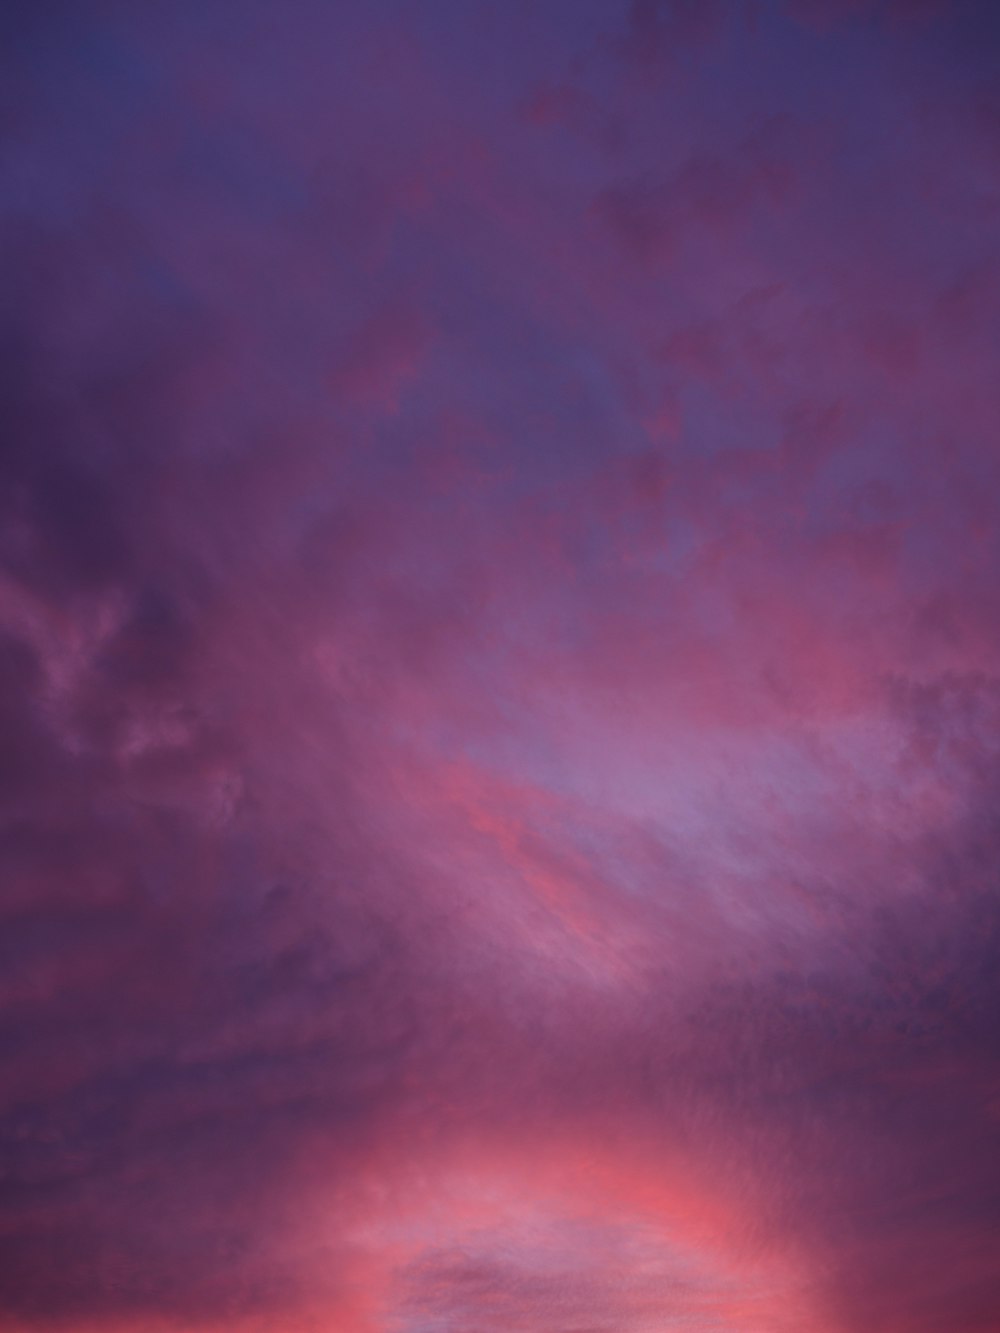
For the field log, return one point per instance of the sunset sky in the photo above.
(500, 666)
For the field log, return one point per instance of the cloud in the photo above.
(498, 726)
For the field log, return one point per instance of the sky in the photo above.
(500, 666)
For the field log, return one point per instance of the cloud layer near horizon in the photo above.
(500, 660)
